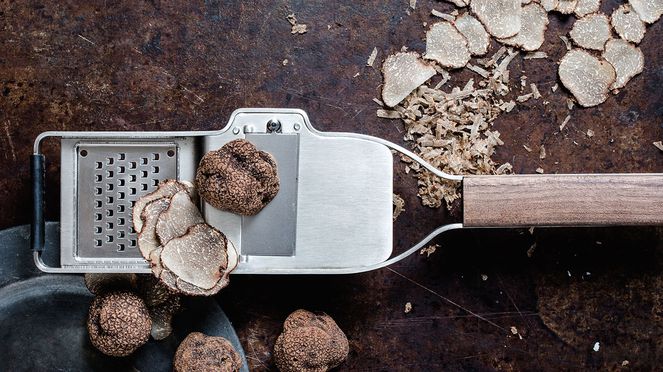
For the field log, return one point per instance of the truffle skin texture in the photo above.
(310, 343)
(238, 178)
(201, 353)
(118, 323)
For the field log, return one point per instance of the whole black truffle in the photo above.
(310, 343)
(118, 323)
(238, 178)
(202, 353)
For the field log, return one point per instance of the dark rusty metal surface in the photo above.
(114, 65)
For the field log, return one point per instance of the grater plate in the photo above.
(110, 179)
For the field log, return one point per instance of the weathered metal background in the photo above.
(152, 65)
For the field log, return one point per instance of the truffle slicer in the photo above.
(332, 215)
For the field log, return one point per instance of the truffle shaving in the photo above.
(477, 38)
(626, 59)
(549, 5)
(403, 73)
(585, 7)
(532, 33)
(628, 24)
(588, 78)
(180, 214)
(167, 189)
(446, 46)
(501, 17)
(591, 32)
(197, 261)
(648, 10)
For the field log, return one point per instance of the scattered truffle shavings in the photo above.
(403, 73)
(310, 343)
(566, 42)
(408, 307)
(413, 4)
(540, 170)
(648, 10)
(399, 206)
(535, 91)
(542, 152)
(584, 7)
(591, 32)
(452, 130)
(199, 352)
(590, 133)
(627, 60)
(372, 57)
(501, 17)
(549, 5)
(587, 77)
(429, 250)
(628, 24)
(446, 45)
(484, 74)
(148, 241)
(118, 323)
(532, 33)
(658, 145)
(296, 28)
(478, 40)
(566, 6)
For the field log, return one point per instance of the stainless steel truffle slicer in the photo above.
(332, 215)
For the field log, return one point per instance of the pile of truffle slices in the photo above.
(187, 256)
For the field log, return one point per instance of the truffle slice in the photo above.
(566, 6)
(648, 10)
(166, 189)
(177, 218)
(532, 32)
(588, 78)
(238, 178)
(202, 353)
(477, 38)
(310, 343)
(197, 263)
(626, 59)
(628, 24)
(591, 32)
(501, 17)
(118, 323)
(585, 7)
(446, 46)
(549, 5)
(148, 240)
(403, 73)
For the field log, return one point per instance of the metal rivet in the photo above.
(297, 126)
(235, 130)
(274, 126)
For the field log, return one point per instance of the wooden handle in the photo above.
(563, 200)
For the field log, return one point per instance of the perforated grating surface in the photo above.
(110, 179)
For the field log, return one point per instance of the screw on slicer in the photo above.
(274, 126)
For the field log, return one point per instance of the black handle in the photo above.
(37, 230)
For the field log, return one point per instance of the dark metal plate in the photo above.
(42, 319)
